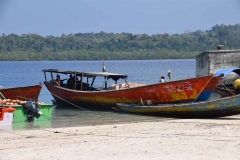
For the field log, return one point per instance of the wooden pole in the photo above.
(75, 80)
(52, 77)
(81, 80)
(45, 76)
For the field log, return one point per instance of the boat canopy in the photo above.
(109, 75)
(227, 71)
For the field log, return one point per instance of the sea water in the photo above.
(21, 73)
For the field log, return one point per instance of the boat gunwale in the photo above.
(17, 87)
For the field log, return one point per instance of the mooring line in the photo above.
(226, 87)
(69, 102)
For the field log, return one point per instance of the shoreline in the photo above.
(169, 139)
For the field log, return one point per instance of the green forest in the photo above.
(119, 46)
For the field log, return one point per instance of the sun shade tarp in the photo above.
(227, 71)
(109, 75)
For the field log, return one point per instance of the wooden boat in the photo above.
(21, 115)
(22, 93)
(87, 96)
(226, 89)
(208, 109)
(28, 111)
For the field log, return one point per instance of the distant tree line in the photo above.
(121, 46)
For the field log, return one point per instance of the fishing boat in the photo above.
(226, 88)
(22, 114)
(21, 93)
(208, 109)
(28, 111)
(87, 95)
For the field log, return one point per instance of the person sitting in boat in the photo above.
(70, 82)
(56, 81)
(59, 80)
(162, 79)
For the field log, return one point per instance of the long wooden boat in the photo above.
(208, 109)
(105, 97)
(22, 93)
(226, 89)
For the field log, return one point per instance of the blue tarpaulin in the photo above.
(227, 71)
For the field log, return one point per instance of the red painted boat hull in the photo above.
(22, 93)
(186, 90)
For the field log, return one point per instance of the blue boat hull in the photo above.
(204, 96)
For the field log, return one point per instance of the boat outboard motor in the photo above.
(31, 110)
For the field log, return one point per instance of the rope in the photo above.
(2, 96)
(69, 102)
(129, 101)
(226, 87)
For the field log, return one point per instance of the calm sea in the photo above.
(14, 74)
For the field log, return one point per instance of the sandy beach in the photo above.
(170, 139)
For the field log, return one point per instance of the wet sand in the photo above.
(170, 139)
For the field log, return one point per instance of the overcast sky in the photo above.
(57, 17)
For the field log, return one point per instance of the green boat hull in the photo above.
(20, 116)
